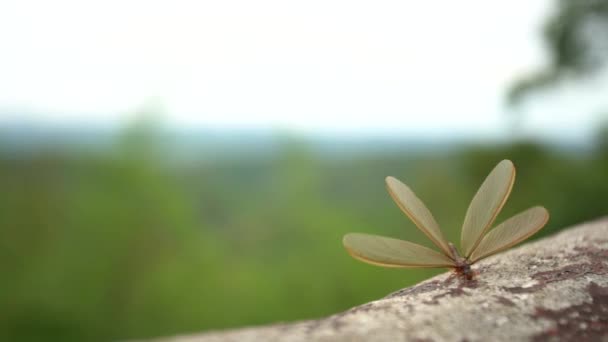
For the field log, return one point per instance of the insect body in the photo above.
(461, 265)
(478, 241)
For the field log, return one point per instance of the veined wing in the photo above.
(486, 205)
(389, 252)
(413, 207)
(511, 232)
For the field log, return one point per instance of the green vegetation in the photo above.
(130, 241)
(123, 243)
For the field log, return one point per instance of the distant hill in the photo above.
(214, 144)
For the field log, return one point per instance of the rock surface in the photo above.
(555, 289)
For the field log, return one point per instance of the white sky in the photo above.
(407, 67)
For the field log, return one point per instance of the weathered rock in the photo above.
(555, 289)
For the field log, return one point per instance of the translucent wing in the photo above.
(388, 252)
(486, 204)
(511, 232)
(413, 207)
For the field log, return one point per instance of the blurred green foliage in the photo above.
(123, 243)
(575, 37)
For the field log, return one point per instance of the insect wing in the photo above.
(413, 207)
(389, 252)
(486, 205)
(511, 232)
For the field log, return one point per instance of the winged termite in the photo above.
(478, 241)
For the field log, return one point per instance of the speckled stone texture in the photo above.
(554, 289)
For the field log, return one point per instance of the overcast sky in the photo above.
(404, 67)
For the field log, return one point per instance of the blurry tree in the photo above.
(577, 38)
